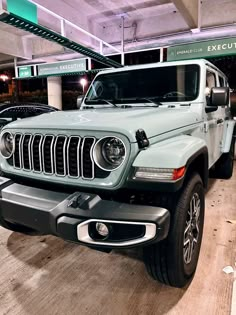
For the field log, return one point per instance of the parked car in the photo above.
(12, 111)
(130, 168)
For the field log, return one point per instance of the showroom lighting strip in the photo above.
(38, 30)
(93, 71)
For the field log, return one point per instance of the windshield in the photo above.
(165, 84)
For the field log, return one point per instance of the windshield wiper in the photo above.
(150, 100)
(97, 100)
(108, 102)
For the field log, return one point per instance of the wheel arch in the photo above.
(199, 163)
(180, 151)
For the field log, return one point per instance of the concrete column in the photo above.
(54, 92)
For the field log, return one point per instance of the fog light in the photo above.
(102, 229)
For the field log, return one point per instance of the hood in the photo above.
(127, 121)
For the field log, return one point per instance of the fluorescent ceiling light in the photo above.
(195, 30)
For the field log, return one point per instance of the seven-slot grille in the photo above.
(55, 155)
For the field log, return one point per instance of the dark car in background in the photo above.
(12, 111)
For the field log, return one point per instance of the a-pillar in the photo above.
(54, 92)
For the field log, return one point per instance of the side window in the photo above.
(222, 81)
(210, 83)
(210, 80)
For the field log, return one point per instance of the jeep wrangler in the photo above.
(129, 168)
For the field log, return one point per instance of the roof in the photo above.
(163, 64)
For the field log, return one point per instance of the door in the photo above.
(214, 120)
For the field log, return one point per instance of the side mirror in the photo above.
(219, 96)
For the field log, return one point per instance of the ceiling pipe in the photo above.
(122, 40)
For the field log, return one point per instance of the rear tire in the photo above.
(224, 166)
(173, 261)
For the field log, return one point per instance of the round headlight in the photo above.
(109, 153)
(7, 144)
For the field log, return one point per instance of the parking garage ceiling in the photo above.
(148, 24)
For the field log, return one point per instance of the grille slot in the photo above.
(36, 153)
(73, 156)
(26, 145)
(17, 154)
(60, 156)
(86, 157)
(47, 154)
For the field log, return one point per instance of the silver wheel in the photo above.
(191, 232)
(174, 260)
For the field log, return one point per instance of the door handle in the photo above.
(219, 121)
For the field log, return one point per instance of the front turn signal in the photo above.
(178, 173)
(159, 174)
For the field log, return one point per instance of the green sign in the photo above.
(24, 9)
(213, 48)
(63, 67)
(25, 72)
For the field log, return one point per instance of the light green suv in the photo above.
(127, 169)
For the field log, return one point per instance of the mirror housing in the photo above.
(219, 96)
(233, 104)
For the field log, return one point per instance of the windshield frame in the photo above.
(141, 100)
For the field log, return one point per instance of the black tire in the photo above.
(165, 260)
(224, 166)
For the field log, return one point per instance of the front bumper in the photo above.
(74, 216)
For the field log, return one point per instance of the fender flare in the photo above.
(176, 152)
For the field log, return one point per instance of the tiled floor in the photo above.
(45, 275)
